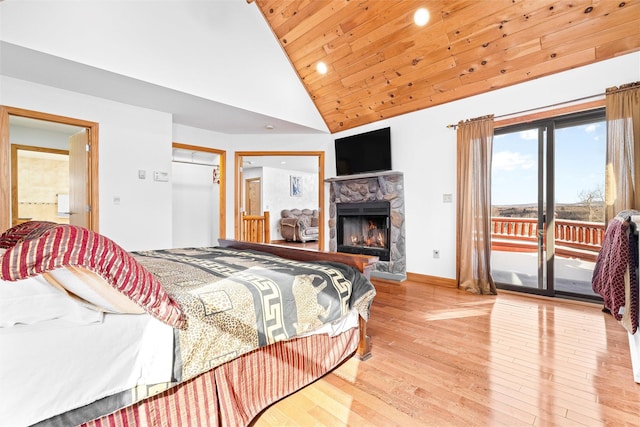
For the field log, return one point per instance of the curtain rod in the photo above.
(584, 98)
(622, 88)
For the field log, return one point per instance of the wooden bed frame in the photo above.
(221, 396)
(364, 263)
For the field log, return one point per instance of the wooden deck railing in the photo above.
(577, 239)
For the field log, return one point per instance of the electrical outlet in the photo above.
(436, 253)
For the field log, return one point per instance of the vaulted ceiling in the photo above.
(380, 64)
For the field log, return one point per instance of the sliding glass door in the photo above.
(547, 204)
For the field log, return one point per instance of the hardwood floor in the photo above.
(444, 357)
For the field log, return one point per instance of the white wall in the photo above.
(39, 138)
(423, 149)
(189, 46)
(131, 139)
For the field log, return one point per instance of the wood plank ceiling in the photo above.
(380, 64)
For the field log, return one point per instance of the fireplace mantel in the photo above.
(361, 176)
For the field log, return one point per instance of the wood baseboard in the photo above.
(432, 280)
(422, 278)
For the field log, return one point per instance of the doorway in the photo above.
(290, 167)
(83, 162)
(548, 204)
(39, 184)
(199, 198)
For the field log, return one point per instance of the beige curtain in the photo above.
(475, 141)
(622, 179)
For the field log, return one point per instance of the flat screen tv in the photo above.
(364, 153)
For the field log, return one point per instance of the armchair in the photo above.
(299, 225)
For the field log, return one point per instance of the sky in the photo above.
(579, 164)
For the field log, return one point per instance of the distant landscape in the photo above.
(588, 212)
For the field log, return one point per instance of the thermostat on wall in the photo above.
(160, 176)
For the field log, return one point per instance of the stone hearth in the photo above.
(382, 186)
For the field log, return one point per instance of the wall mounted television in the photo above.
(364, 153)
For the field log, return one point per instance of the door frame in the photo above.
(223, 181)
(5, 160)
(239, 157)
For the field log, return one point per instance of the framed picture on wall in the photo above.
(296, 186)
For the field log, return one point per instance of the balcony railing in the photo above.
(574, 239)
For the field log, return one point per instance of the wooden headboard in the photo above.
(364, 263)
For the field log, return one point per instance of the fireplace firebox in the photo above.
(363, 228)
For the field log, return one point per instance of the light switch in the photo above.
(160, 176)
(142, 174)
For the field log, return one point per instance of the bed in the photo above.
(93, 335)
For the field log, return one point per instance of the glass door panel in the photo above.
(579, 204)
(517, 196)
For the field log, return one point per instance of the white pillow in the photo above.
(33, 300)
(91, 289)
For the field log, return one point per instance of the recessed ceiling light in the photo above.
(421, 17)
(270, 127)
(321, 67)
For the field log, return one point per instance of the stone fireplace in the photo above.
(366, 216)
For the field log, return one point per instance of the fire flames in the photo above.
(372, 237)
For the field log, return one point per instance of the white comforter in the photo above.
(42, 374)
